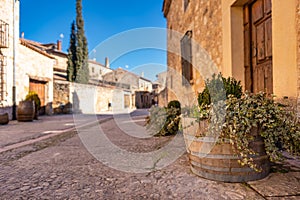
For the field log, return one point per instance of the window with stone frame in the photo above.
(3, 34)
(186, 4)
(186, 58)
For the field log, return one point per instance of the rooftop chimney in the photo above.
(22, 35)
(58, 46)
(107, 62)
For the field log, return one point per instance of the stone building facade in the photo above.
(255, 41)
(9, 30)
(123, 78)
(35, 73)
(202, 20)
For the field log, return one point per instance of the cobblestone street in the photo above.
(62, 168)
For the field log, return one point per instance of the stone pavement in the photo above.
(65, 169)
(16, 134)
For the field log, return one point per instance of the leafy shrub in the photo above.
(232, 87)
(174, 104)
(171, 126)
(164, 121)
(219, 88)
(156, 119)
(33, 96)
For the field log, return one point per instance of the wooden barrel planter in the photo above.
(219, 161)
(4, 119)
(26, 111)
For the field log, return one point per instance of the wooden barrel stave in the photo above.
(25, 111)
(4, 119)
(219, 161)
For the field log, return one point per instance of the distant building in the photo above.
(145, 84)
(140, 87)
(159, 89)
(97, 70)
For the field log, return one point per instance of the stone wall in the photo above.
(61, 102)
(204, 19)
(162, 98)
(87, 99)
(90, 99)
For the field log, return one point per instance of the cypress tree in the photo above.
(81, 49)
(71, 70)
(78, 70)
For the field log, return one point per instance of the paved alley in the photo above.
(63, 168)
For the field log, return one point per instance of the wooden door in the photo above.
(39, 88)
(126, 101)
(258, 46)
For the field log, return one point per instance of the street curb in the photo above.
(52, 135)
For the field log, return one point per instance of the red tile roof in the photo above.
(38, 47)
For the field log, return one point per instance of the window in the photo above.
(170, 32)
(93, 69)
(186, 58)
(3, 34)
(186, 4)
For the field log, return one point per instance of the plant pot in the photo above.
(218, 161)
(4, 119)
(26, 111)
(36, 112)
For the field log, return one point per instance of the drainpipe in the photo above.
(14, 99)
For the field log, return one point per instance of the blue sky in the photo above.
(44, 21)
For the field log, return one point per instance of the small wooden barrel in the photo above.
(4, 119)
(219, 161)
(25, 111)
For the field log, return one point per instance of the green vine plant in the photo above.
(277, 126)
(242, 118)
